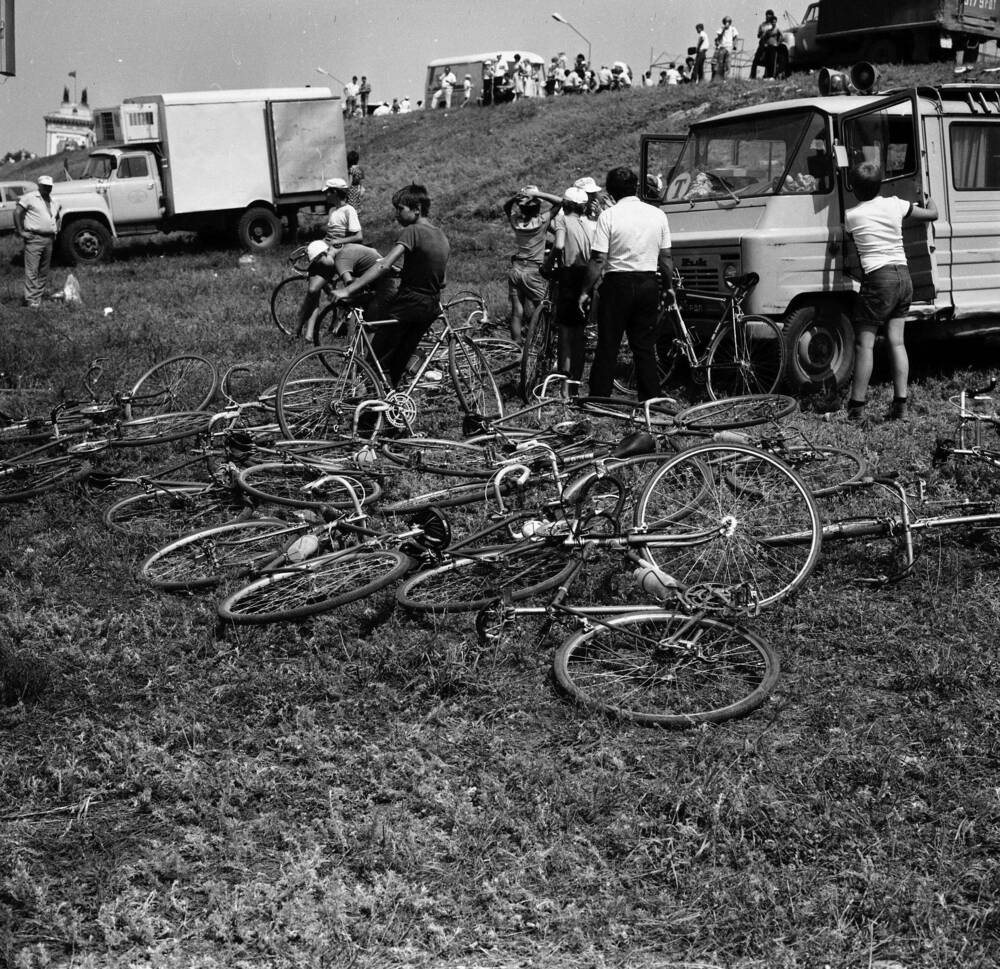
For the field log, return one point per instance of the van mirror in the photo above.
(840, 153)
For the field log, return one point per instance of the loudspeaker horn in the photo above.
(833, 82)
(865, 77)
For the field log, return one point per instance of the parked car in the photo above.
(10, 192)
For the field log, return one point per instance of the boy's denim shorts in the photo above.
(885, 294)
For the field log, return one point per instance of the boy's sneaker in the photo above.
(899, 410)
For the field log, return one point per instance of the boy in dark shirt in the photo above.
(418, 302)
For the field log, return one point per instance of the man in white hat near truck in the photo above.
(36, 221)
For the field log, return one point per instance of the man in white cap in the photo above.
(342, 224)
(36, 221)
(597, 199)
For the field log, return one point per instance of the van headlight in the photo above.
(729, 273)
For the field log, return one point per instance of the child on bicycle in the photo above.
(569, 257)
(342, 223)
(417, 304)
(529, 214)
(876, 225)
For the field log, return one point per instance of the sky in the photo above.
(124, 48)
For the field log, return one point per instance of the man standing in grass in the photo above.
(876, 225)
(36, 220)
(631, 242)
(418, 302)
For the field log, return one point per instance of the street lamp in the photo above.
(323, 70)
(561, 19)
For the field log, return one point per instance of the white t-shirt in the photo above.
(877, 229)
(632, 233)
(342, 222)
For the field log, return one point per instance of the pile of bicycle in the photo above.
(659, 532)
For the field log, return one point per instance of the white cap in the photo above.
(316, 249)
(574, 194)
(587, 184)
(45, 180)
(335, 183)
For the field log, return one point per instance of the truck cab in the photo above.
(764, 189)
(130, 181)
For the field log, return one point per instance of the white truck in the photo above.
(214, 162)
(764, 189)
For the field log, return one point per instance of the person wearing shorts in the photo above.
(529, 213)
(417, 304)
(876, 225)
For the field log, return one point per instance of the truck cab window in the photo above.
(975, 156)
(883, 138)
(133, 166)
(98, 166)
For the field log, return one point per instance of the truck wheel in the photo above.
(84, 240)
(819, 341)
(258, 230)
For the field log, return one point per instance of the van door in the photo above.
(892, 138)
(658, 157)
(134, 190)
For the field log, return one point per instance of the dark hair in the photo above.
(353, 157)
(866, 179)
(621, 182)
(413, 196)
(699, 26)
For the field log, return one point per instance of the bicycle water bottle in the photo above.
(535, 528)
(656, 582)
(302, 548)
(730, 437)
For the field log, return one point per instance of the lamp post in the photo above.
(561, 19)
(323, 70)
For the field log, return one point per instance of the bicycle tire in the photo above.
(468, 585)
(22, 480)
(332, 324)
(160, 428)
(730, 413)
(204, 559)
(537, 356)
(503, 355)
(185, 382)
(703, 530)
(286, 301)
(319, 391)
(429, 455)
(826, 470)
(666, 669)
(172, 510)
(749, 359)
(315, 586)
(473, 380)
(306, 485)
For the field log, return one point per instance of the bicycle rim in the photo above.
(470, 373)
(307, 486)
(538, 354)
(733, 412)
(667, 669)
(286, 301)
(186, 382)
(170, 511)
(160, 428)
(747, 359)
(704, 527)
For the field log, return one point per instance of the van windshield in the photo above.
(786, 154)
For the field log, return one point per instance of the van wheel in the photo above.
(258, 230)
(84, 240)
(819, 341)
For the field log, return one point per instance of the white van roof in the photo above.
(228, 97)
(508, 55)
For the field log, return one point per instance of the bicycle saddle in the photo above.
(641, 442)
(746, 281)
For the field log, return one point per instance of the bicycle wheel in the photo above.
(332, 324)
(502, 355)
(160, 428)
(538, 353)
(704, 527)
(826, 470)
(431, 456)
(315, 586)
(169, 511)
(667, 669)
(286, 301)
(468, 585)
(19, 481)
(307, 486)
(204, 559)
(746, 359)
(319, 392)
(733, 412)
(186, 382)
(470, 373)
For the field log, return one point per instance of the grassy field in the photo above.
(371, 789)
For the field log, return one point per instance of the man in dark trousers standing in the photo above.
(631, 247)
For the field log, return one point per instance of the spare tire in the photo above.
(819, 340)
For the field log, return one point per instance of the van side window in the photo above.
(975, 156)
(133, 166)
(883, 138)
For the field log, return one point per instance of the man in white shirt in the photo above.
(446, 83)
(725, 44)
(631, 247)
(351, 97)
(36, 220)
(700, 53)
